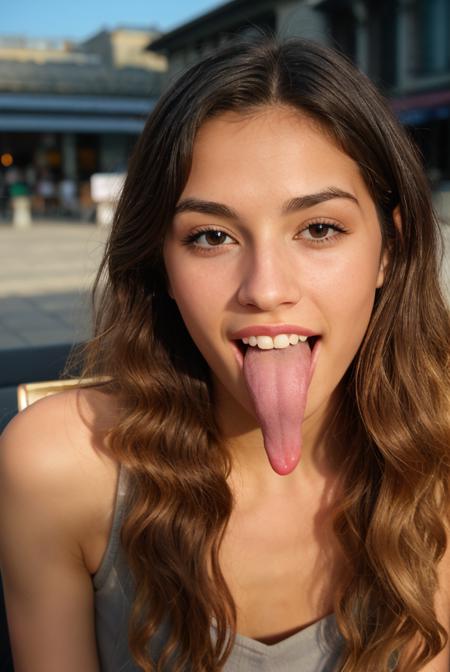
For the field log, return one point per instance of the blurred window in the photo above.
(343, 30)
(432, 36)
(382, 28)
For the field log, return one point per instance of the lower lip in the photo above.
(314, 354)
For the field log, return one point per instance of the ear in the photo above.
(381, 271)
(397, 219)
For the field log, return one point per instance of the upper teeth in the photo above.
(280, 341)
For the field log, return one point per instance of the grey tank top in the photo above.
(316, 648)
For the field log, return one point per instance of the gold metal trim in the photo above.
(28, 393)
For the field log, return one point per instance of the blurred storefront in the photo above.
(70, 110)
(421, 94)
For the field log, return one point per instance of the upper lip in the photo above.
(272, 330)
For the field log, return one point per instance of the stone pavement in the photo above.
(45, 275)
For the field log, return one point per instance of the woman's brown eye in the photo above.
(215, 237)
(319, 230)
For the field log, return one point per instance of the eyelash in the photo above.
(192, 238)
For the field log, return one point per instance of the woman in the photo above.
(260, 481)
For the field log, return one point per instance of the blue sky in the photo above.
(79, 19)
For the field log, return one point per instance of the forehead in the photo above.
(276, 149)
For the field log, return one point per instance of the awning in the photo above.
(25, 102)
(50, 113)
(51, 123)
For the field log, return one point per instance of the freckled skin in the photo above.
(267, 270)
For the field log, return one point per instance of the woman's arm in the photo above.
(48, 591)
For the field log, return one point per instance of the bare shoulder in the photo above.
(54, 452)
(65, 431)
(78, 409)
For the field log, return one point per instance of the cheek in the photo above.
(354, 295)
(345, 298)
(195, 293)
(348, 279)
(199, 302)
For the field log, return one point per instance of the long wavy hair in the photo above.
(393, 416)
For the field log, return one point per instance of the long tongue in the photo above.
(278, 382)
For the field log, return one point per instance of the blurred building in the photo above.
(68, 110)
(403, 45)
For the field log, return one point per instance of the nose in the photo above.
(270, 278)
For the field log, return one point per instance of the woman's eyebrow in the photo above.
(308, 200)
(294, 204)
(206, 207)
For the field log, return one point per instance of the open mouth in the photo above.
(241, 348)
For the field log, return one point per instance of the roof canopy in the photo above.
(75, 114)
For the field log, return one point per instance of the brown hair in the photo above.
(393, 414)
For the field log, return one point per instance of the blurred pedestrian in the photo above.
(68, 196)
(46, 191)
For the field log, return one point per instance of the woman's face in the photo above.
(268, 259)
